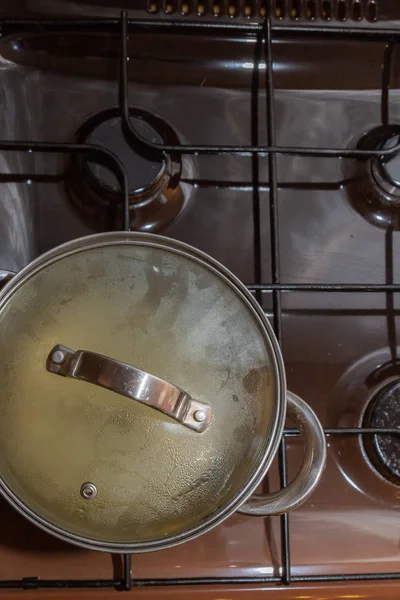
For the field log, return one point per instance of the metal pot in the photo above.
(143, 395)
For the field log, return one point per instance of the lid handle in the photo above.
(131, 382)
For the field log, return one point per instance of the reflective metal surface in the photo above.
(312, 468)
(328, 93)
(88, 490)
(131, 382)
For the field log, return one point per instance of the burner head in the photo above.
(373, 185)
(155, 196)
(366, 396)
(384, 450)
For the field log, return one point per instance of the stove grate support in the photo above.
(264, 33)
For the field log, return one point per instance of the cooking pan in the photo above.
(143, 395)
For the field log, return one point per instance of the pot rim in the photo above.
(277, 366)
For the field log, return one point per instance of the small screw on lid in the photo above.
(58, 357)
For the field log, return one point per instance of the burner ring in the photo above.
(352, 399)
(156, 198)
(384, 450)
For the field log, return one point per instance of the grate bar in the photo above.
(379, 34)
(284, 519)
(35, 583)
(242, 150)
(126, 583)
(349, 577)
(275, 274)
(273, 193)
(325, 287)
(292, 432)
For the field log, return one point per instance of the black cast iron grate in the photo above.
(263, 32)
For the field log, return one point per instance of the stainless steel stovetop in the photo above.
(333, 235)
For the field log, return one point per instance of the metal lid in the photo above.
(97, 467)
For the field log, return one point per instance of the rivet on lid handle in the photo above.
(199, 416)
(58, 357)
(131, 382)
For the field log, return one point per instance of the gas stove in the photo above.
(266, 134)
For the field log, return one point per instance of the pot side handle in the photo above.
(290, 497)
(131, 382)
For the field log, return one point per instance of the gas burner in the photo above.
(366, 396)
(155, 196)
(384, 450)
(373, 185)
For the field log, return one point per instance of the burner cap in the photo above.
(384, 450)
(144, 172)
